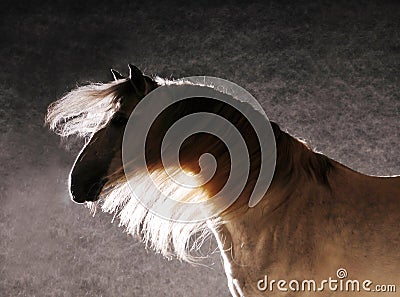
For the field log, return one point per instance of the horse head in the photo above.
(101, 156)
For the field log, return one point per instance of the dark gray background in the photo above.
(326, 71)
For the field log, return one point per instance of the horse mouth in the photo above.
(91, 195)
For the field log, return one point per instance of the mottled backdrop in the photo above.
(327, 71)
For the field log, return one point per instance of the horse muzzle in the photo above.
(86, 192)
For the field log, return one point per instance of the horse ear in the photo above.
(116, 74)
(137, 78)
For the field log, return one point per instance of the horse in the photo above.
(317, 219)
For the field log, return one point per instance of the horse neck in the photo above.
(298, 171)
(300, 174)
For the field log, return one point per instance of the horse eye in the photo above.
(119, 119)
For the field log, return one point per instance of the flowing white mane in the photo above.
(170, 238)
